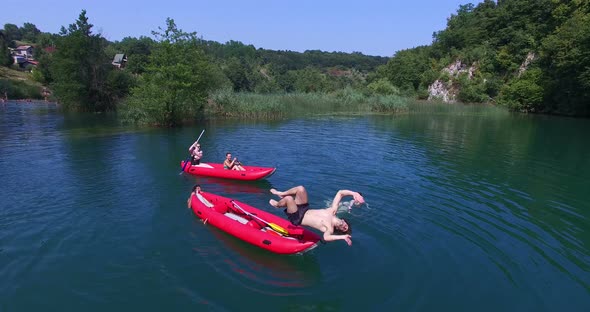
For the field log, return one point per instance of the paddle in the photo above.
(189, 157)
(272, 225)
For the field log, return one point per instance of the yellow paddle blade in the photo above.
(278, 229)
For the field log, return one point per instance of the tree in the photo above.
(29, 32)
(524, 94)
(5, 58)
(11, 34)
(565, 58)
(176, 82)
(138, 51)
(80, 68)
(237, 73)
(310, 80)
(406, 68)
(383, 87)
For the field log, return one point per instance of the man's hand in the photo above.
(347, 239)
(358, 198)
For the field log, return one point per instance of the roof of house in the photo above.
(119, 58)
(23, 47)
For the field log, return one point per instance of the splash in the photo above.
(348, 206)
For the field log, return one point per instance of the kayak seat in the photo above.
(204, 200)
(203, 165)
(235, 217)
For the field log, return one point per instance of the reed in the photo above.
(227, 103)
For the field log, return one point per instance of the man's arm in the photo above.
(336, 202)
(328, 237)
(188, 202)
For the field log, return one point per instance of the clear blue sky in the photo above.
(373, 27)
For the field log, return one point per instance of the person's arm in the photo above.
(329, 237)
(336, 202)
(188, 202)
(190, 149)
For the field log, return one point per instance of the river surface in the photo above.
(466, 212)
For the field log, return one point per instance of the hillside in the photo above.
(530, 56)
(18, 84)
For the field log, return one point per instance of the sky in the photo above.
(372, 27)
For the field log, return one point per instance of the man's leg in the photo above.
(288, 202)
(298, 192)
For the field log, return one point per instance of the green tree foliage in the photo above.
(11, 34)
(309, 80)
(566, 61)
(383, 87)
(176, 82)
(138, 51)
(472, 90)
(406, 69)
(29, 32)
(497, 37)
(290, 60)
(80, 69)
(525, 93)
(5, 58)
(45, 40)
(238, 72)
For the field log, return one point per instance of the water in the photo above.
(465, 213)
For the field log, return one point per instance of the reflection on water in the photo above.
(229, 186)
(467, 212)
(500, 185)
(263, 271)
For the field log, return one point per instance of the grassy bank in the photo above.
(226, 103)
(17, 85)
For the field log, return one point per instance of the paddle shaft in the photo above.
(272, 225)
(200, 135)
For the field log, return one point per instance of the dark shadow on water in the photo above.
(214, 185)
(265, 272)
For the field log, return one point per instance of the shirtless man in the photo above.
(325, 220)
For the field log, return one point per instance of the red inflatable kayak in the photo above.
(216, 170)
(253, 225)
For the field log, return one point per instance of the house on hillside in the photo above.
(119, 60)
(24, 51)
(23, 62)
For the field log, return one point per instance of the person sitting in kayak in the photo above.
(324, 220)
(196, 153)
(232, 164)
(196, 189)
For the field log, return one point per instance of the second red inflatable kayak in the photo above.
(216, 170)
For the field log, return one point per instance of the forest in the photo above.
(527, 56)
